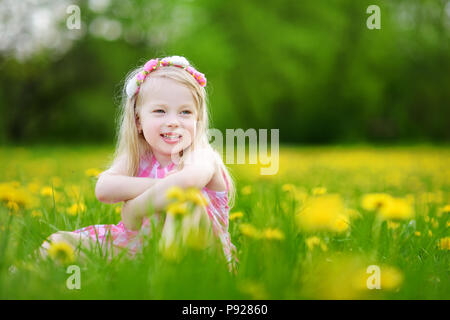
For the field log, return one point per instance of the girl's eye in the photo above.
(158, 110)
(186, 112)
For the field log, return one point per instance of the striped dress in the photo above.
(121, 237)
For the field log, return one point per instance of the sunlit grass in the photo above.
(311, 231)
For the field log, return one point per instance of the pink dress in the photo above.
(119, 236)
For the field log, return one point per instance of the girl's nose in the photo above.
(172, 121)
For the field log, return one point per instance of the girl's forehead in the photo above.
(166, 91)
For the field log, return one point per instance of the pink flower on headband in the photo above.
(165, 62)
(200, 77)
(151, 65)
(140, 77)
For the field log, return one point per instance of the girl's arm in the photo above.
(195, 174)
(114, 185)
(112, 188)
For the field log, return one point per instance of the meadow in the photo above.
(312, 231)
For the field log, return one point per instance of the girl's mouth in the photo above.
(171, 138)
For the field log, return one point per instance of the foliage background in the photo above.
(310, 68)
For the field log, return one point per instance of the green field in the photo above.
(309, 232)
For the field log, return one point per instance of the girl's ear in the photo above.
(138, 123)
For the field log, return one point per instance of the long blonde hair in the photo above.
(134, 146)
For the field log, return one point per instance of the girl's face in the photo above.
(167, 117)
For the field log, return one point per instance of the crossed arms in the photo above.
(140, 193)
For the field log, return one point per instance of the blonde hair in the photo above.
(133, 146)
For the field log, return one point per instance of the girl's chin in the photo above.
(168, 151)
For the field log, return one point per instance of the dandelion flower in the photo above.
(391, 278)
(177, 208)
(325, 213)
(288, 187)
(246, 190)
(375, 201)
(445, 209)
(36, 213)
(195, 196)
(392, 225)
(236, 215)
(92, 172)
(313, 242)
(13, 206)
(319, 191)
(273, 234)
(249, 231)
(61, 252)
(47, 191)
(76, 208)
(397, 208)
(175, 193)
(444, 243)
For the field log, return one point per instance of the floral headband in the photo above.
(134, 84)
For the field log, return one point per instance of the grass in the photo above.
(282, 254)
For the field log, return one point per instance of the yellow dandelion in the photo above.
(341, 224)
(47, 191)
(445, 209)
(391, 278)
(175, 193)
(313, 242)
(444, 243)
(13, 206)
(177, 208)
(319, 191)
(36, 213)
(73, 191)
(417, 234)
(61, 252)
(426, 219)
(434, 223)
(397, 208)
(92, 172)
(246, 190)
(236, 215)
(375, 201)
(273, 234)
(430, 233)
(249, 231)
(325, 213)
(393, 225)
(118, 210)
(288, 187)
(194, 195)
(76, 208)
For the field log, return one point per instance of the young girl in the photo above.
(162, 143)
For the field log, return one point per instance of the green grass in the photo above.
(269, 268)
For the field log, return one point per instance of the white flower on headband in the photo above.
(131, 87)
(180, 61)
